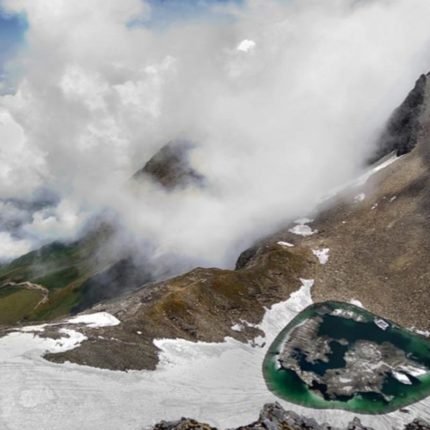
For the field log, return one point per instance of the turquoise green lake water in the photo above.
(288, 385)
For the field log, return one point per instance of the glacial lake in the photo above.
(336, 355)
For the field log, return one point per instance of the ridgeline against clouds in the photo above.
(282, 101)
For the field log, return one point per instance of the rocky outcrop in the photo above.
(171, 166)
(418, 425)
(403, 128)
(274, 417)
(201, 305)
(183, 424)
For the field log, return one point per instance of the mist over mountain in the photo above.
(283, 101)
(211, 208)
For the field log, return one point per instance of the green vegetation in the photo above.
(59, 279)
(16, 304)
(61, 268)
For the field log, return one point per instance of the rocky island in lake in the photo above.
(337, 355)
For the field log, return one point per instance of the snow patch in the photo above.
(237, 327)
(322, 254)
(302, 229)
(97, 320)
(365, 177)
(33, 328)
(72, 340)
(356, 303)
(361, 180)
(285, 244)
(425, 333)
(359, 198)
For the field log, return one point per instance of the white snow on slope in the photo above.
(359, 198)
(220, 383)
(356, 303)
(96, 320)
(237, 327)
(361, 180)
(285, 244)
(382, 165)
(302, 229)
(72, 340)
(425, 333)
(322, 254)
(34, 328)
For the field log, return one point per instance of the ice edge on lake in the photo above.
(219, 383)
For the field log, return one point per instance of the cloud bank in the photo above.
(284, 100)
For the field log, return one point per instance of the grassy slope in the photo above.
(15, 303)
(62, 268)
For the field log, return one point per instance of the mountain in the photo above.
(401, 134)
(375, 235)
(76, 276)
(171, 166)
(60, 269)
(367, 243)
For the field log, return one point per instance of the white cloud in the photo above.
(12, 248)
(246, 45)
(21, 164)
(62, 221)
(275, 130)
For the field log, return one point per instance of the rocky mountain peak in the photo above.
(171, 166)
(403, 127)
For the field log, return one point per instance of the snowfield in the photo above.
(99, 319)
(220, 383)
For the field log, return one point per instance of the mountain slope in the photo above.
(376, 233)
(368, 243)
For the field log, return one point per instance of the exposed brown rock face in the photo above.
(183, 424)
(380, 246)
(403, 128)
(418, 425)
(379, 254)
(201, 305)
(274, 417)
(171, 166)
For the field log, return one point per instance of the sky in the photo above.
(164, 12)
(12, 28)
(284, 101)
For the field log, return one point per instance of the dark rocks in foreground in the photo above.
(183, 424)
(274, 417)
(418, 425)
